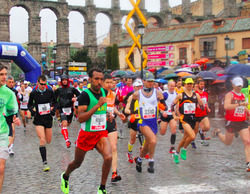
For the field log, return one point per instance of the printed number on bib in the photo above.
(204, 101)
(189, 108)
(98, 122)
(76, 103)
(149, 112)
(239, 111)
(24, 105)
(44, 109)
(66, 111)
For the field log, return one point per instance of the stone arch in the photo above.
(155, 21)
(179, 19)
(104, 36)
(80, 30)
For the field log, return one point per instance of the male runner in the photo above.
(167, 117)
(8, 106)
(148, 98)
(111, 124)
(93, 134)
(43, 100)
(236, 119)
(65, 96)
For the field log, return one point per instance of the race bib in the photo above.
(66, 111)
(189, 108)
(98, 122)
(204, 101)
(44, 109)
(76, 103)
(239, 111)
(24, 105)
(149, 112)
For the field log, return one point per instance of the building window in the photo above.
(208, 47)
(183, 53)
(231, 44)
(246, 43)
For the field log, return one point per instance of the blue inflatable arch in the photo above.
(16, 52)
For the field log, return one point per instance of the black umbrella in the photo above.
(239, 69)
(207, 75)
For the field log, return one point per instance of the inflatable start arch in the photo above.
(16, 52)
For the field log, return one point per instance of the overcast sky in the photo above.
(19, 20)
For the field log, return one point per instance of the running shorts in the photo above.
(188, 120)
(111, 126)
(199, 119)
(46, 122)
(168, 119)
(233, 127)
(4, 152)
(133, 125)
(150, 123)
(67, 118)
(87, 140)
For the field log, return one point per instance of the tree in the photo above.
(82, 56)
(115, 58)
(109, 57)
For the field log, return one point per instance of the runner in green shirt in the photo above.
(8, 106)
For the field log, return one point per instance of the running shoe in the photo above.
(64, 184)
(11, 152)
(172, 150)
(68, 144)
(176, 158)
(248, 167)
(138, 165)
(115, 177)
(151, 167)
(193, 145)
(46, 168)
(101, 191)
(204, 143)
(207, 138)
(215, 132)
(130, 157)
(183, 154)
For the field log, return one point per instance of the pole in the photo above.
(54, 66)
(141, 58)
(227, 61)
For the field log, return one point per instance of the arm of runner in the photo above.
(121, 115)
(83, 116)
(228, 102)
(54, 104)
(127, 108)
(135, 96)
(31, 104)
(176, 104)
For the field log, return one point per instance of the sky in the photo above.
(19, 21)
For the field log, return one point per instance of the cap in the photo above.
(26, 82)
(64, 77)
(189, 81)
(237, 81)
(137, 82)
(149, 77)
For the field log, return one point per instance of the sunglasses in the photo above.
(43, 84)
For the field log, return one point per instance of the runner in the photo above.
(167, 116)
(43, 100)
(9, 119)
(65, 96)
(187, 103)
(24, 95)
(236, 119)
(132, 108)
(202, 114)
(8, 106)
(111, 124)
(148, 98)
(93, 134)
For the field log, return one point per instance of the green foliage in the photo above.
(16, 72)
(81, 56)
(112, 58)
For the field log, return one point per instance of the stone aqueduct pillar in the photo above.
(115, 30)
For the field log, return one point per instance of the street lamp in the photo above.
(227, 41)
(141, 30)
(54, 55)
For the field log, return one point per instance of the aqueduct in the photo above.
(89, 12)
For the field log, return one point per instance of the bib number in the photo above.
(189, 108)
(148, 112)
(66, 111)
(76, 103)
(44, 109)
(24, 104)
(98, 122)
(204, 101)
(239, 111)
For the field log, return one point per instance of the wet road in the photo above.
(213, 169)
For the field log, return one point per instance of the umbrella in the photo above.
(218, 82)
(182, 74)
(186, 69)
(138, 73)
(217, 70)
(239, 69)
(163, 81)
(166, 72)
(118, 73)
(207, 75)
(171, 76)
(189, 76)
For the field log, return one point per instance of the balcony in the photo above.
(208, 53)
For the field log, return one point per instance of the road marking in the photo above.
(203, 187)
(189, 188)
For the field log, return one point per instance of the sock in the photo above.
(65, 133)
(172, 139)
(65, 177)
(43, 153)
(130, 147)
(143, 142)
(151, 160)
(11, 146)
(202, 135)
(102, 187)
